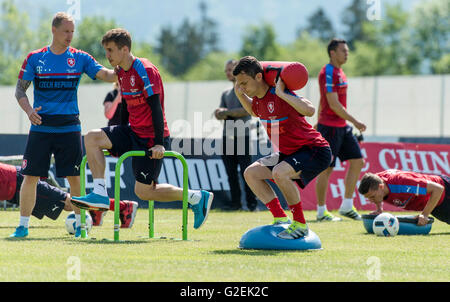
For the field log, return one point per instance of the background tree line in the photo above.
(401, 43)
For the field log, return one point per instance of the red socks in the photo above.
(277, 211)
(111, 204)
(275, 208)
(297, 212)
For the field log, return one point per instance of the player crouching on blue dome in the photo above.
(143, 127)
(303, 152)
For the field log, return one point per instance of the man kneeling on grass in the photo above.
(51, 200)
(414, 191)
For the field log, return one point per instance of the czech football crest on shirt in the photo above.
(24, 164)
(132, 80)
(271, 106)
(71, 62)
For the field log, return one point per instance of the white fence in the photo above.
(390, 106)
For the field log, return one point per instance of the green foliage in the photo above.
(442, 66)
(210, 68)
(320, 26)
(182, 48)
(260, 42)
(431, 23)
(353, 17)
(386, 49)
(400, 43)
(307, 50)
(88, 35)
(145, 50)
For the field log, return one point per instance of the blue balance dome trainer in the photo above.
(407, 225)
(265, 238)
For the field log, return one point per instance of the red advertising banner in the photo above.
(423, 158)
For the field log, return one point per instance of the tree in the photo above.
(145, 50)
(14, 42)
(210, 68)
(260, 42)
(182, 48)
(319, 26)
(353, 17)
(307, 50)
(387, 48)
(431, 33)
(88, 35)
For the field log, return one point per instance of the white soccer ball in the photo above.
(70, 222)
(386, 225)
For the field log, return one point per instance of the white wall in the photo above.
(389, 105)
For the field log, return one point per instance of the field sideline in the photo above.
(212, 254)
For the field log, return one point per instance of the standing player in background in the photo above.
(143, 127)
(113, 105)
(50, 200)
(303, 152)
(230, 110)
(412, 191)
(332, 117)
(55, 71)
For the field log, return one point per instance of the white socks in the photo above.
(77, 220)
(24, 221)
(194, 196)
(321, 210)
(100, 187)
(346, 205)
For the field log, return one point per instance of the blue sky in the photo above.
(144, 18)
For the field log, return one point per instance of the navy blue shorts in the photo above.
(442, 211)
(343, 143)
(65, 147)
(310, 160)
(50, 201)
(123, 139)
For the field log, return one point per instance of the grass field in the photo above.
(212, 253)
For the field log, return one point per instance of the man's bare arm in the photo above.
(107, 75)
(24, 103)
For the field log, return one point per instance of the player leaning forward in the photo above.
(303, 152)
(55, 71)
(143, 106)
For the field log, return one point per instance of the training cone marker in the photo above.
(265, 238)
(408, 225)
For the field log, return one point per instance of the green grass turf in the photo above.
(212, 252)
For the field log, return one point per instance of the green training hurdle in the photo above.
(151, 222)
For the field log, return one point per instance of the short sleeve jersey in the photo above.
(138, 83)
(332, 79)
(287, 129)
(8, 181)
(55, 80)
(408, 190)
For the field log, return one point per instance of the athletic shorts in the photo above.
(442, 211)
(123, 139)
(311, 161)
(50, 201)
(343, 143)
(66, 148)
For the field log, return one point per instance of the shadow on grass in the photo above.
(94, 240)
(32, 227)
(441, 233)
(36, 239)
(255, 252)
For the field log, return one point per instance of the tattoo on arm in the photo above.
(21, 88)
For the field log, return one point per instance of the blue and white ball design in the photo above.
(386, 225)
(70, 222)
